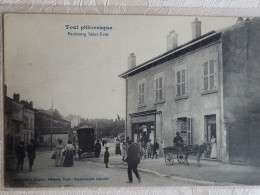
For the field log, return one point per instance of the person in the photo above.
(106, 157)
(155, 148)
(133, 159)
(58, 151)
(143, 152)
(68, 150)
(103, 142)
(118, 150)
(149, 147)
(123, 150)
(97, 149)
(178, 141)
(31, 150)
(213, 153)
(20, 154)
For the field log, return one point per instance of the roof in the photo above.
(180, 50)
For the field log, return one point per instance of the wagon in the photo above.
(176, 152)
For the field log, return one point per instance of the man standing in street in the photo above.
(31, 149)
(97, 149)
(178, 141)
(20, 153)
(133, 159)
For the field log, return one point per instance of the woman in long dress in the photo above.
(58, 151)
(118, 150)
(68, 160)
(213, 148)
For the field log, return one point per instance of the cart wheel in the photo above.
(180, 158)
(169, 159)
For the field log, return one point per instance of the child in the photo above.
(106, 157)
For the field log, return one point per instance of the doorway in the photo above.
(210, 131)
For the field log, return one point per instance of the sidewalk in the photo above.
(210, 172)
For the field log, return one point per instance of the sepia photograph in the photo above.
(131, 101)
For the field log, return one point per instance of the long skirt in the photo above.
(118, 150)
(68, 160)
(213, 151)
(58, 159)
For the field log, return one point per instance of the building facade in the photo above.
(18, 121)
(50, 126)
(206, 87)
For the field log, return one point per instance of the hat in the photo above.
(107, 147)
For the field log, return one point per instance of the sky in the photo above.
(44, 64)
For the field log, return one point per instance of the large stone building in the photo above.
(203, 88)
(50, 126)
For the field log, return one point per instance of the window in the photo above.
(209, 76)
(181, 83)
(141, 93)
(159, 89)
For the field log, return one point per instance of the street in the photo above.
(84, 173)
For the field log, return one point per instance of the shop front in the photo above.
(143, 126)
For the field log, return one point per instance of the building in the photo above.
(206, 87)
(18, 121)
(13, 121)
(28, 121)
(50, 126)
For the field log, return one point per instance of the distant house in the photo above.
(49, 127)
(203, 88)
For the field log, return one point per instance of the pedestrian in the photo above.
(59, 153)
(31, 150)
(106, 157)
(118, 150)
(123, 150)
(20, 154)
(97, 149)
(149, 147)
(213, 153)
(133, 159)
(178, 141)
(155, 148)
(103, 142)
(68, 150)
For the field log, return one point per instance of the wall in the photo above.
(241, 91)
(55, 137)
(195, 106)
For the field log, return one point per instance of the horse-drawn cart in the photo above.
(181, 153)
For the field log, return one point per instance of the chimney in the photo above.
(239, 20)
(131, 61)
(31, 103)
(172, 40)
(196, 28)
(16, 97)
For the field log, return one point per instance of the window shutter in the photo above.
(186, 82)
(202, 77)
(216, 74)
(189, 131)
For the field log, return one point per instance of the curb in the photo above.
(181, 179)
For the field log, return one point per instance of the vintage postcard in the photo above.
(131, 101)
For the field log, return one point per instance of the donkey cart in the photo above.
(181, 153)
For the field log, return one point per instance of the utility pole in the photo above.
(51, 121)
(96, 130)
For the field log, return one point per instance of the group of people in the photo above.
(150, 148)
(20, 154)
(64, 154)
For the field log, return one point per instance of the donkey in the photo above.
(198, 150)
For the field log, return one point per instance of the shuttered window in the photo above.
(209, 75)
(181, 83)
(141, 94)
(159, 89)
